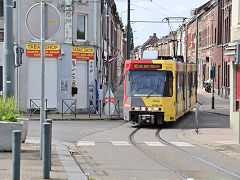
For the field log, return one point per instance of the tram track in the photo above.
(193, 156)
(154, 157)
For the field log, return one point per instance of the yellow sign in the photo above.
(51, 50)
(83, 53)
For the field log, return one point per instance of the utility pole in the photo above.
(186, 50)
(196, 40)
(128, 32)
(8, 53)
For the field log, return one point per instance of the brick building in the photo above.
(213, 37)
(137, 54)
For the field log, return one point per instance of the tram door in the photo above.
(184, 92)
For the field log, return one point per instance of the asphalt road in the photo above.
(105, 149)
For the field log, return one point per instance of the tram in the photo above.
(158, 90)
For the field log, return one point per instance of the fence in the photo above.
(95, 109)
(73, 103)
(34, 106)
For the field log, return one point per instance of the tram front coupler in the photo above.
(145, 119)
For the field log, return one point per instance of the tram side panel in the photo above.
(180, 96)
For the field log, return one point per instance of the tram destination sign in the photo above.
(147, 66)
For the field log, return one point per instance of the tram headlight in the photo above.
(136, 108)
(158, 109)
(143, 108)
(149, 109)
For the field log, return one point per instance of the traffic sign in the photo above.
(33, 21)
(109, 99)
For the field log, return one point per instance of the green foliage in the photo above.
(80, 35)
(131, 37)
(8, 109)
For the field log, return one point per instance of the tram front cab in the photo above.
(149, 95)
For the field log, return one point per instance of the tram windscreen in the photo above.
(149, 83)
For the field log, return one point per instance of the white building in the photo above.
(74, 55)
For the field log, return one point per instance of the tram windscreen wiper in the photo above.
(156, 89)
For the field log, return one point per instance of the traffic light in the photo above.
(237, 53)
(212, 72)
(19, 52)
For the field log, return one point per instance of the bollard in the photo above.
(16, 154)
(50, 122)
(46, 150)
(196, 119)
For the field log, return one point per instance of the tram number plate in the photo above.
(147, 66)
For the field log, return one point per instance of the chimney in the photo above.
(154, 35)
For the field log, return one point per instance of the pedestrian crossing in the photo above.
(126, 143)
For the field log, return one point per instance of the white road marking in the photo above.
(181, 144)
(120, 143)
(86, 143)
(211, 124)
(32, 140)
(227, 142)
(154, 143)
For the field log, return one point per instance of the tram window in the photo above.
(149, 83)
(168, 88)
(180, 82)
(190, 83)
(128, 90)
(196, 81)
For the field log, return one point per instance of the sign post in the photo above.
(43, 28)
(42, 108)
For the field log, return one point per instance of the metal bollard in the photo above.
(46, 150)
(196, 119)
(50, 122)
(16, 154)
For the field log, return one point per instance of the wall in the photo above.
(64, 65)
(235, 36)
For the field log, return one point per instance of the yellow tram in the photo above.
(158, 91)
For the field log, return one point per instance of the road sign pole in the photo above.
(42, 108)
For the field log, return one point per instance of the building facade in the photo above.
(77, 56)
(138, 52)
(234, 68)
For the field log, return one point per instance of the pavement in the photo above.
(65, 167)
(221, 139)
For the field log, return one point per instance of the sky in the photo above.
(154, 10)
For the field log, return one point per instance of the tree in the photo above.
(131, 37)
